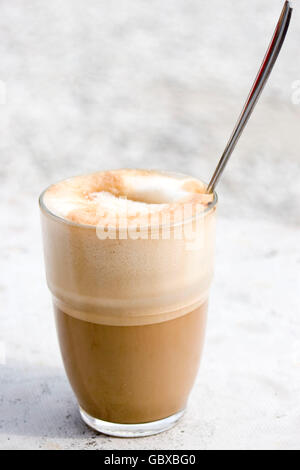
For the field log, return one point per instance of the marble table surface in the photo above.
(92, 85)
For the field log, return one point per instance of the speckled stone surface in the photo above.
(93, 85)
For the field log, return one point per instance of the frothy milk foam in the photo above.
(97, 198)
(125, 282)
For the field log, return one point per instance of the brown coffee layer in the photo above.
(132, 374)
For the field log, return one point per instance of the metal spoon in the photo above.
(259, 83)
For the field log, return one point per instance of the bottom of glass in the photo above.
(131, 430)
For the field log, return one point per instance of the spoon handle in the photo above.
(259, 83)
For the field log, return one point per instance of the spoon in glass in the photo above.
(259, 83)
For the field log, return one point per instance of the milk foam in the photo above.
(96, 198)
(126, 281)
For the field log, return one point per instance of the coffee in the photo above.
(130, 311)
(132, 374)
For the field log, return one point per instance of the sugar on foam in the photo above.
(99, 197)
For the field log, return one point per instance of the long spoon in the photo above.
(259, 83)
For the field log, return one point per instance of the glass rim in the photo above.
(210, 206)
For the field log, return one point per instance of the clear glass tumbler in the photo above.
(130, 316)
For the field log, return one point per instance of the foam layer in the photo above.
(100, 197)
(126, 281)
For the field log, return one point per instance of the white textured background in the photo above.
(92, 84)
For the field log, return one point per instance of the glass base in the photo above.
(131, 430)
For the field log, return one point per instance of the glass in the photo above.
(130, 316)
